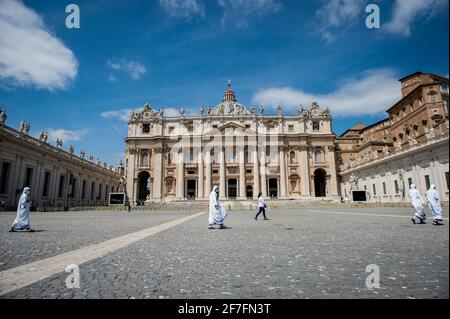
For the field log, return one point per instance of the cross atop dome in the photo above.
(229, 104)
(229, 93)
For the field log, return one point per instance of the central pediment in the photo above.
(232, 129)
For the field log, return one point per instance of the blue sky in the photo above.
(80, 83)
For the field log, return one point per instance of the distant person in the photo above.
(261, 207)
(433, 202)
(22, 221)
(417, 203)
(3, 205)
(217, 212)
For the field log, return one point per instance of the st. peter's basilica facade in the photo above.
(241, 150)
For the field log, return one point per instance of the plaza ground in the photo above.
(304, 253)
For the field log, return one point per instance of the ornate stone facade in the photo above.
(57, 178)
(410, 146)
(243, 151)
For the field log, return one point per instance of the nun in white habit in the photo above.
(417, 203)
(22, 221)
(433, 202)
(217, 212)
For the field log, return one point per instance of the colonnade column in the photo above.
(304, 171)
(242, 192)
(222, 173)
(255, 172)
(208, 188)
(333, 189)
(157, 173)
(282, 172)
(201, 177)
(180, 177)
(263, 172)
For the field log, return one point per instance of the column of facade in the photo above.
(157, 169)
(255, 172)
(333, 190)
(208, 174)
(222, 173)
(304, 171)
(242, 194)
(180, 177)
(263, 170)
(201, 177)
(282, 172)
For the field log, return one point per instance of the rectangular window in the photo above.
(28, 177)
(171, 128)
(106, 192)
(46, 188)
(291, 128)
(247, 126)
(83, 190)
(61, 186)
(409, 182)
(397, 188)
(374, 189)
(145, 128)
(4, 177)
(316, 126)
(427, 181)
(384, 188)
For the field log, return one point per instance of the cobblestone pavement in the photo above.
(59, 232)
(312, 253)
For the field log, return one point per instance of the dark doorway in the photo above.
(191, 189)
(273, 188)
(319, 183)
(232, 188)
(249, 192)
(144, 186)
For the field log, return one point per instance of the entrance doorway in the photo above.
(320, 183)
(249, 192)
(191, 189)
(273, 188)
(143, 186)
(232, 188)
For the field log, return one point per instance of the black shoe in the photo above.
(12, 230)
(266, 218)
(224, 227)
(256, 218)
(437, 222)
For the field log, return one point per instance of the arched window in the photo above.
(318, 156)
(144, 159)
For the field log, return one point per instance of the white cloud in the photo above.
(371, 93)
(405, 13)
(335, 15)
(29, 54)
(122, 115)
(237, 12)
(183, 8)
(133, 68)
(66, 135)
